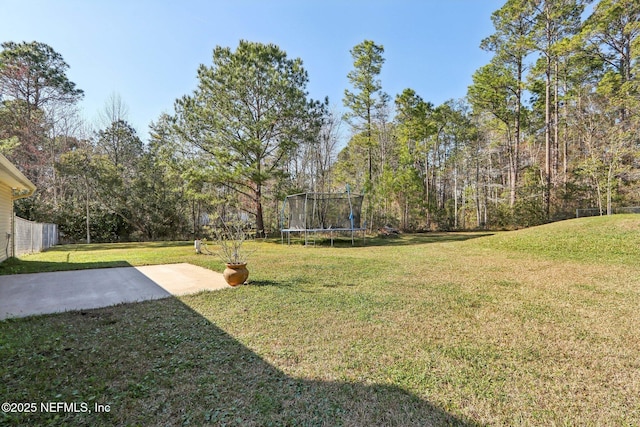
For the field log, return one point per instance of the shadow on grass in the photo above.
(393, 240)
(162, 363)
(84, 247)
(19, 266)
(269, 283)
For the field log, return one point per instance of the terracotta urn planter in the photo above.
(236, 274)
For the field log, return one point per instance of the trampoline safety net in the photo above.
(322, 211)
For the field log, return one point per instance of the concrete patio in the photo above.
(44, 293)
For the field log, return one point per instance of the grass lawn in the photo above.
(531, 327)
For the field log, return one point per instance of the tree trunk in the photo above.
(477, 195)
(516, 154)
(455, 195)
(260, 232)
(370, 146)
(556, 120)
(547, 114)
(609, 189)
(547, 139)
(565, 141)
(87, 219)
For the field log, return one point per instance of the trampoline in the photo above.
(330, 214)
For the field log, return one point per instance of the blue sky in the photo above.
(148, 51)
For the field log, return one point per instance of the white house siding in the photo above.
(6, 213)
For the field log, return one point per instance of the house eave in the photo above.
(20, 185)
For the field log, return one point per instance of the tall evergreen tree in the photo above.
(511, 43)
(614, 30)
(414, 128)
(555, 20)
(368, 96)
(249, 114)
(34, 92)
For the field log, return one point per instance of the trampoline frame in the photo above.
(310, 233)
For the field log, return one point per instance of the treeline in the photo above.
(550, 125)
